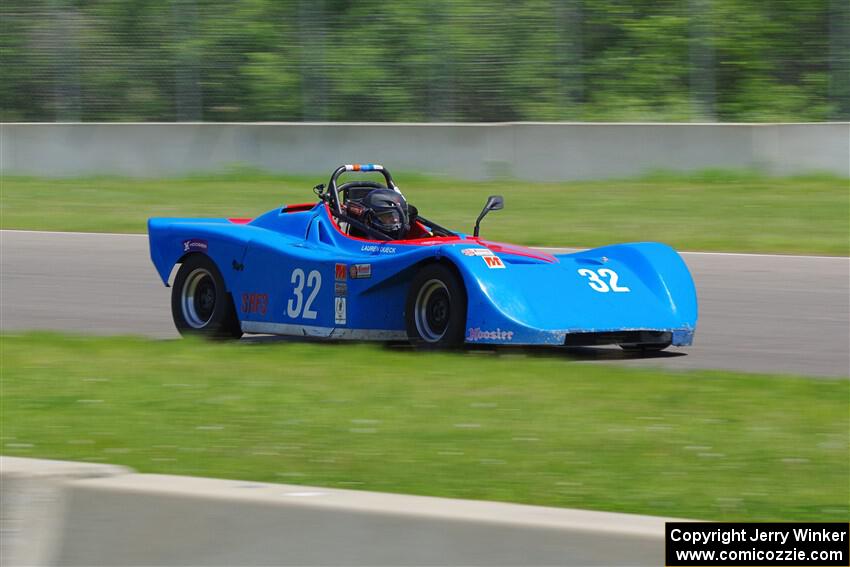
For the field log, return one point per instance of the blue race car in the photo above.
(361, 263)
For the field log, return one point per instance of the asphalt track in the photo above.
(758, 313)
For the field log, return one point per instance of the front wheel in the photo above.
(200, 304)
(435, 311)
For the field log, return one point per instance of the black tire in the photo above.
(435, 311)
(200, 304)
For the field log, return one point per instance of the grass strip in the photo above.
(536, 429)
(712, 210)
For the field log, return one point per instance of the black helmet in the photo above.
(386, 211)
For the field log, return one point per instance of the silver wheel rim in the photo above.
(187, 298)
(423, 327)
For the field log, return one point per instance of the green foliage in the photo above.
(436, 60)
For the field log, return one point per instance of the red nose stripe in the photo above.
(518, 251)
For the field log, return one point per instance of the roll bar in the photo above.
(330, 195)
(333, 191)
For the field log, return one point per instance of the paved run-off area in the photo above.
(758, 313)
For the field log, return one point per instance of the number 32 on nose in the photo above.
(596, 280)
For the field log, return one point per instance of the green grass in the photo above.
(714, 210)
(531, 429)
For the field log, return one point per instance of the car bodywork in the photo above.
(292, 271)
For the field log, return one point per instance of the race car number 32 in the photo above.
(308, 285)
(597, 280)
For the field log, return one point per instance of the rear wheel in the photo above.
(200, 304)
(435, 311)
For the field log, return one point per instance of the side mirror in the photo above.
(494, 203)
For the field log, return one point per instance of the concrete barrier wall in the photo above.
(531, 151)
(121, 518)
(32, 500)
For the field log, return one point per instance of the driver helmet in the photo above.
(386, 211)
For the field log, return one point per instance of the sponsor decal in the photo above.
(378, 249)
(195, 245)
(477, 252)
(476, 334)
(361, 271)
(339, 311)
(493, 262)
(340, 272)
(255, 303)
(340, 289)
